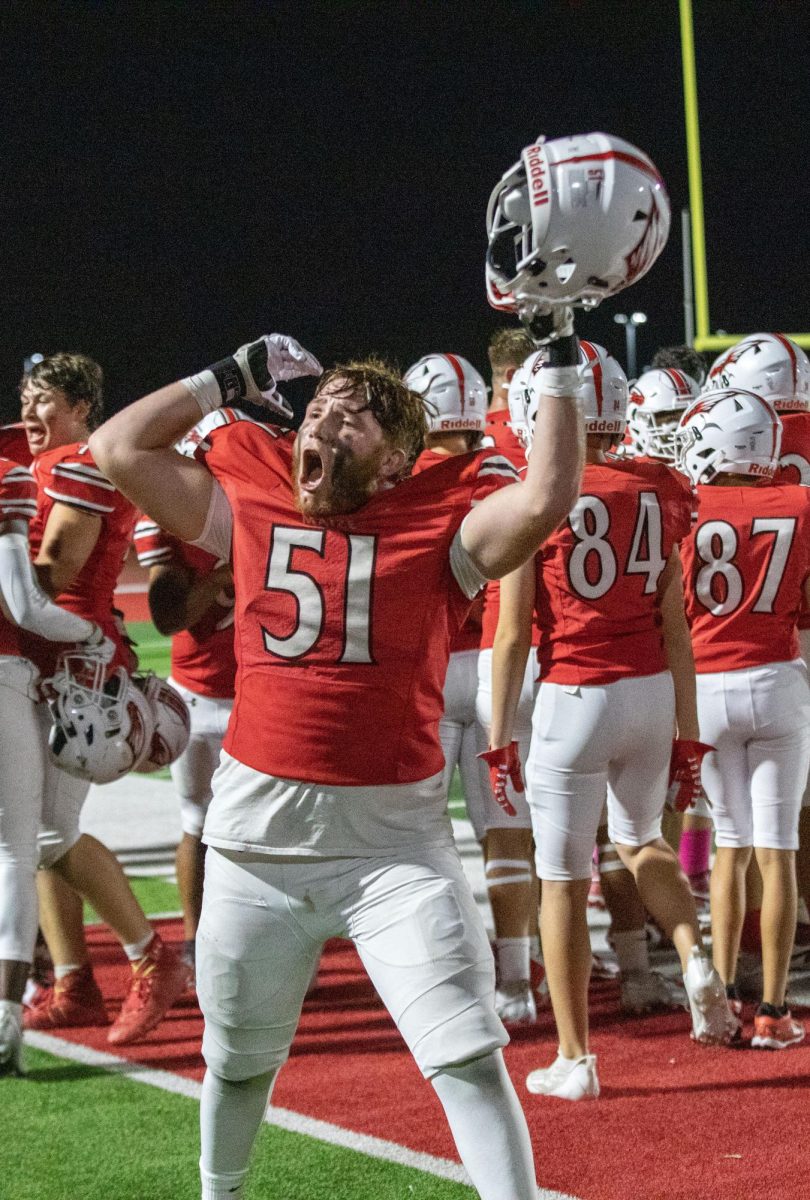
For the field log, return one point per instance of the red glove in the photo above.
(685, 788)
(504, 767)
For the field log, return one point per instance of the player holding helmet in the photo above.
(747, 565)
(23, 606)
(79, 537)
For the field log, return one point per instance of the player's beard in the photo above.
(348, 483)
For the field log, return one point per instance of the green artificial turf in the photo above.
(81, 1133)
(154, 893)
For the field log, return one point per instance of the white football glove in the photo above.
(97, 647)
(251, 374)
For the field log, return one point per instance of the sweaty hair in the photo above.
(509, 347)
(79, 377)
(399, 411)
(680, 358)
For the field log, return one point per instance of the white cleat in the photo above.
(11, 1040)
(713, 1023)
(567, 1079)
(647, 991)
(515, 1003)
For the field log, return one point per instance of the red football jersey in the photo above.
(342, 629)
(18, 502)
(510, 446)
(69, 476)
(14, 444)
(203, 658)
(597, 602)
(468, 637)
(745, 565)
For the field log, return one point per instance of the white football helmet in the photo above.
(603, 390)
(660, 397)
(574, 220)
(729, 431)
(520, 398)
(172, 723)
(632, 444)
(769, 364)
(102, 728)
(455, 392)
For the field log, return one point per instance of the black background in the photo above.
(180, 177)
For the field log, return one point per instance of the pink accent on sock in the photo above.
(696, 845)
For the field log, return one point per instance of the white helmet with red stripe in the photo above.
(456, 394)
(603, 390)
(660, 398)
(171, 723)
(730, 431)
(523, 401)
(574, 220)
(769, 364)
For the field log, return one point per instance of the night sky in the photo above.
(181, 177)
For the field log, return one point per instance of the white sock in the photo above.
(230, 1116)
(479, 1096)
(60, 971)
(513, 959)
(136, 950)
(630, 946)
(222, 1187)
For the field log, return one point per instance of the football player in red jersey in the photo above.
(14, 443)
(455, 393)
(23, 606)
(191, 599)
(79, 537)
(616, 682)
(350, 578)
(747, 567)
(507, 349)
(774, 366)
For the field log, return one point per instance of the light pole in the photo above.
(630, 323)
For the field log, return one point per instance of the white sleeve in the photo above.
(218, 529)
(467, 575)
(25, 600)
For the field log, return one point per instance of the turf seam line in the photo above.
(284, 1118)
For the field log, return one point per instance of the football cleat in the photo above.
(158, 980)
(777, 1033)
(515, 1003)
(566, 1078)
(713, 1022)
(648, 991)
(10, 1041)
(72, 1002)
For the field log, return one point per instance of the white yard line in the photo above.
(284, 1118)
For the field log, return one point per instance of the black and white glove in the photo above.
(252, 374)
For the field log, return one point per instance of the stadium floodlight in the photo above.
(704, 339)
(630, 324)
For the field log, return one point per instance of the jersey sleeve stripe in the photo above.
(146, 529)
(89, 476)
(19, 475)
(507, 470)
(151, 558)
(19, 505)
(74, 502)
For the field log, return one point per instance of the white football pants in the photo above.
(193, 770)
(493, 816)
(462, 737)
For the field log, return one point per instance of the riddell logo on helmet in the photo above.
(759, 469)
(462, 423)
(538, 180)
(615, 426)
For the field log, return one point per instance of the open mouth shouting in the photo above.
(311, 470)
(36, 435)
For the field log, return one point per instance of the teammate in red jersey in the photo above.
(350, 578)
(616, 680)
(774, 366)
(747, 566)
(507, 349)
(191, 598)
(79, 538)
(23, 606)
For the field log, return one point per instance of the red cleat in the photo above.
(776, 1033)
(158, 980)
(73, 1001)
